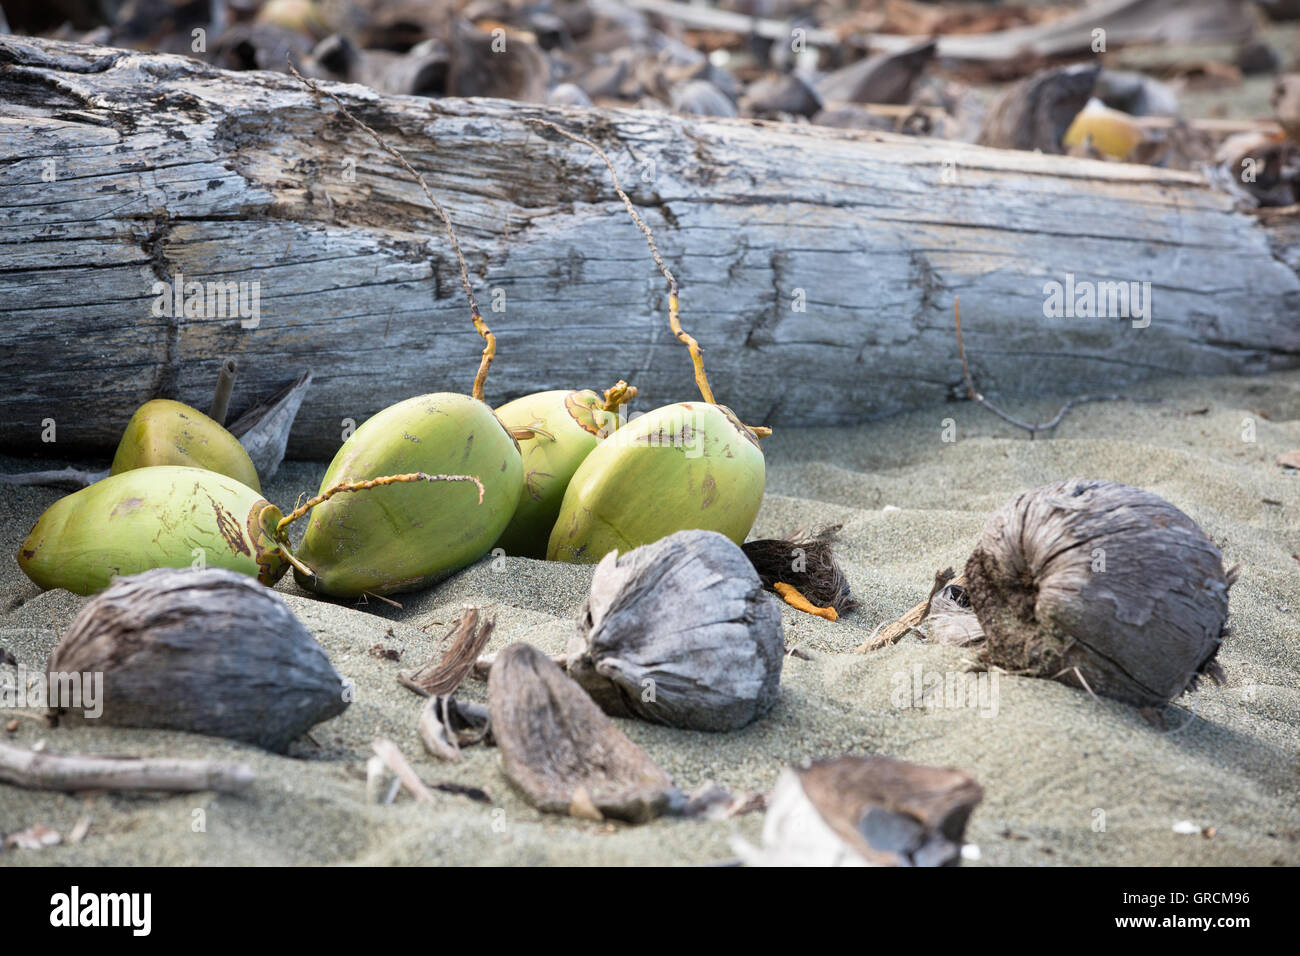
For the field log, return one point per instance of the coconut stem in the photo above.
(330, 492)
(618, 394)
(490, 342)
(697, 353)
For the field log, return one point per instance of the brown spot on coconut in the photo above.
(209, 652)
(1101, 586)
(679, 632)
(866, 811)
(562, 752)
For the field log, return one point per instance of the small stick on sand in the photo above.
(1047, 426)
(893, 633)
(394, 759)
(41, 771)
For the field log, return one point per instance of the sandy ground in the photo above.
(1069, 779)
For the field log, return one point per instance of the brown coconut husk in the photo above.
(806, 561)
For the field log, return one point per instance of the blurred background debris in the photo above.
(1188, 84)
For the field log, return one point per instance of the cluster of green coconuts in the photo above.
(547, 475)
(557, 474)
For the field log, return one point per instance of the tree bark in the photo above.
(119, 169)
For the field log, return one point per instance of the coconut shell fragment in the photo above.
(562, 752)
(867, 811)
(1101, 586)
(208, 652)
(679, 632)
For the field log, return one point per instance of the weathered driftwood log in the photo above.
(37, 770)
(679, 632)
(867, 811)
(1101, 586)
(209, 652)
(817, 266)
(562, 752)
(1125, 22)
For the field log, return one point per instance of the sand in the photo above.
(1068, 779)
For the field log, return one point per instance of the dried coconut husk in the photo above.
(560, 749)
(867, 811)
(1035, 112)
(1142, 631)
(209, 652)
(679, 632)
(807, 562)
(446, 725)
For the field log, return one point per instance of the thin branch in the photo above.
(674, 320)
(36, 770)
(1030, 427)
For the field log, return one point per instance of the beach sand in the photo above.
(1068, 779)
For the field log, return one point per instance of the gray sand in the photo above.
(1069, 779)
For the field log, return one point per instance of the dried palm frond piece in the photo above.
(263, 430)
(805, 562)
(1100, 586)
(469, 635)
(679, 632)
(209, 652)
(560, 749)
(446, 725)
(866, 811)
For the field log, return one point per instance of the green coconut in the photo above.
(692, 465)
(557, 430)
(406, 536)
(163, 432)
(166, 516)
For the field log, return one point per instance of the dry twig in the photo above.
(1047, 426)
(72, 772)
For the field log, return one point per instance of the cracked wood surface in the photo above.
(163, 164)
